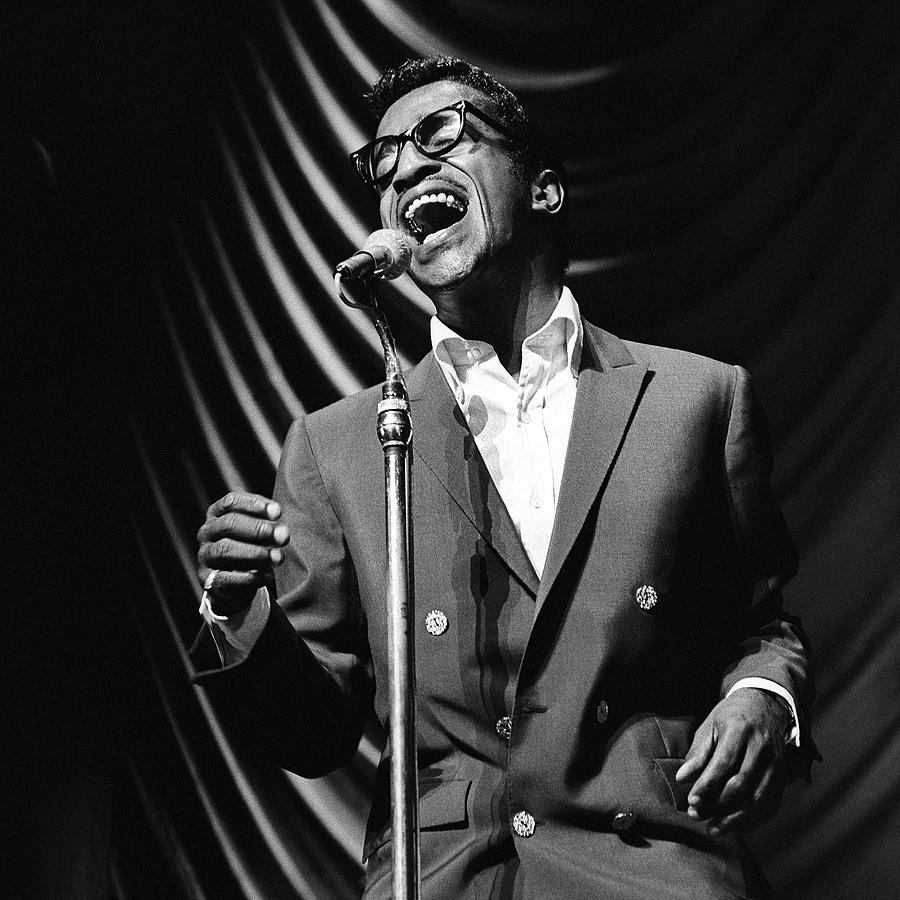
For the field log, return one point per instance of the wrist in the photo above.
(222, 608)
(786, 713)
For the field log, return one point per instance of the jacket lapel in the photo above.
(443, 442)
(609, 386)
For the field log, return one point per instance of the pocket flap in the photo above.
(442, 804)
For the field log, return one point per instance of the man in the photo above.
(608, 688)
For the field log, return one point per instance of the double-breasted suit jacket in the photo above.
(553, 712)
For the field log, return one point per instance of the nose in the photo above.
(412, 167)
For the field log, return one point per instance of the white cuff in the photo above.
(773, 687)
(206, 610)
(236, 635)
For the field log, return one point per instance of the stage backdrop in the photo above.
(735, 190)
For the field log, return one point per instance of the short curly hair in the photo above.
(531, 150)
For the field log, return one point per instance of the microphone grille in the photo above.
(386, 242)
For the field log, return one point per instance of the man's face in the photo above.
(477, 180)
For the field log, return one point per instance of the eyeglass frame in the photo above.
(462, 106)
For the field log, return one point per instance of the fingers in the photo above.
(243, 527)
(242, 532)
(725, 762)
(230, 554)
(745, 800)
(754, 793)
(736, 821)
(243, 502)
(230, 582)
(700, 751)
(735, 801)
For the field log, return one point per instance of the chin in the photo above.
(447, 272)
(439, 279)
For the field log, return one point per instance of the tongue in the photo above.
(432, 217)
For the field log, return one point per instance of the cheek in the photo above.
(504, 206)
(501, 218)
(384, 211)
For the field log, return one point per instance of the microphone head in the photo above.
(392, 251)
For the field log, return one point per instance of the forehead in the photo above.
(405, 112)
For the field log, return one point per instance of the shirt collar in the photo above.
(564, 325)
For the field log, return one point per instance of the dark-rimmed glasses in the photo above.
(433, 135)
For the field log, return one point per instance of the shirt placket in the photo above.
(537, 500)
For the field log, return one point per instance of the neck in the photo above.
(504, 311)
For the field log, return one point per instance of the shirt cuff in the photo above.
(773, 687)
(236, 635)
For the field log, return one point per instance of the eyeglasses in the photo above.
(433, 136)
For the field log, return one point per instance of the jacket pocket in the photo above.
(677, 790)
(442, 804)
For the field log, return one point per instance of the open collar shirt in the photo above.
(520, 425)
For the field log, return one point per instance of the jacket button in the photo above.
(523, 824)
(602, 711)
(646, 597)
(504, 727)
(436, 622)
(623, 820)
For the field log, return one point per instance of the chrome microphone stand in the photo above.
(394, 428)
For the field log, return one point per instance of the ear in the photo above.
(547, 193)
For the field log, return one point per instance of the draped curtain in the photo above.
(735, 178)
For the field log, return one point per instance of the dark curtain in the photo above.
(175, 192)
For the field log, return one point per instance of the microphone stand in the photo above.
(394, 428)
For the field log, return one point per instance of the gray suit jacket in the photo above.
(665, 486)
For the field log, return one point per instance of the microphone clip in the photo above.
(351, 296)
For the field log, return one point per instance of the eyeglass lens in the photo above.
(436, 133)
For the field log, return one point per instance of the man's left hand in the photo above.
(736, 759)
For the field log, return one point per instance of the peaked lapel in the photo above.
(443, 442)
(609, 387)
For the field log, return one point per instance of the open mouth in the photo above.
(430, 214)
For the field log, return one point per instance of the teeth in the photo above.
(442, 197)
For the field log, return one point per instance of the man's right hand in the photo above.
(241, 541)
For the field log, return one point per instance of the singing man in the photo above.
(609, 689)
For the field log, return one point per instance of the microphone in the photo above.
(385, 254)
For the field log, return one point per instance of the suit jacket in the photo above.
(665, 487)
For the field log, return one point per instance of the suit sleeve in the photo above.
(301, 695)
(777, 647)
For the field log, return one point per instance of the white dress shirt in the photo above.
(521, 428)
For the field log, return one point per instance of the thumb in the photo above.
(699, 753)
